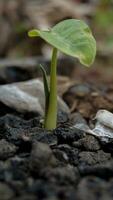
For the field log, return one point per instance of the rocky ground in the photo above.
(65, 164)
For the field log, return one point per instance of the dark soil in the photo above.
(65, 164)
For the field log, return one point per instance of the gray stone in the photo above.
(80, 90)
(41, 157)
(89, 143)
(92, 158)
(6, 149)
(27, 96)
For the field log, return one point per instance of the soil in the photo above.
(65, 164)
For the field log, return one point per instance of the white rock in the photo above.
(15, 98)
(101, 131)
(27, 96)
(103, 127)
(105, 117)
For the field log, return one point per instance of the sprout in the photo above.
(72, 37)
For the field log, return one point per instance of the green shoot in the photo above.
(72, 37)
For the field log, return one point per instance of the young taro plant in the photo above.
(72, 37)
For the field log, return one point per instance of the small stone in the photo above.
(89, 143)
(105, 117)
(41, 157)
(92, 158)
(80, 90)
(103, 128)
(6, 149)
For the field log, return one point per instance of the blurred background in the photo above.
(22, 54)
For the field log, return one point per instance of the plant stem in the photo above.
(51, 116)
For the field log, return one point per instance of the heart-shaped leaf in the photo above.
(72, 37)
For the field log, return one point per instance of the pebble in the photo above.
(88, 143)
(41, 157)
(6, 149)
(92, 158)
(80, 90)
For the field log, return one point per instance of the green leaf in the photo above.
(72, 37)
(46, 87)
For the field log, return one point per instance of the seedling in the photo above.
(72, 37)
